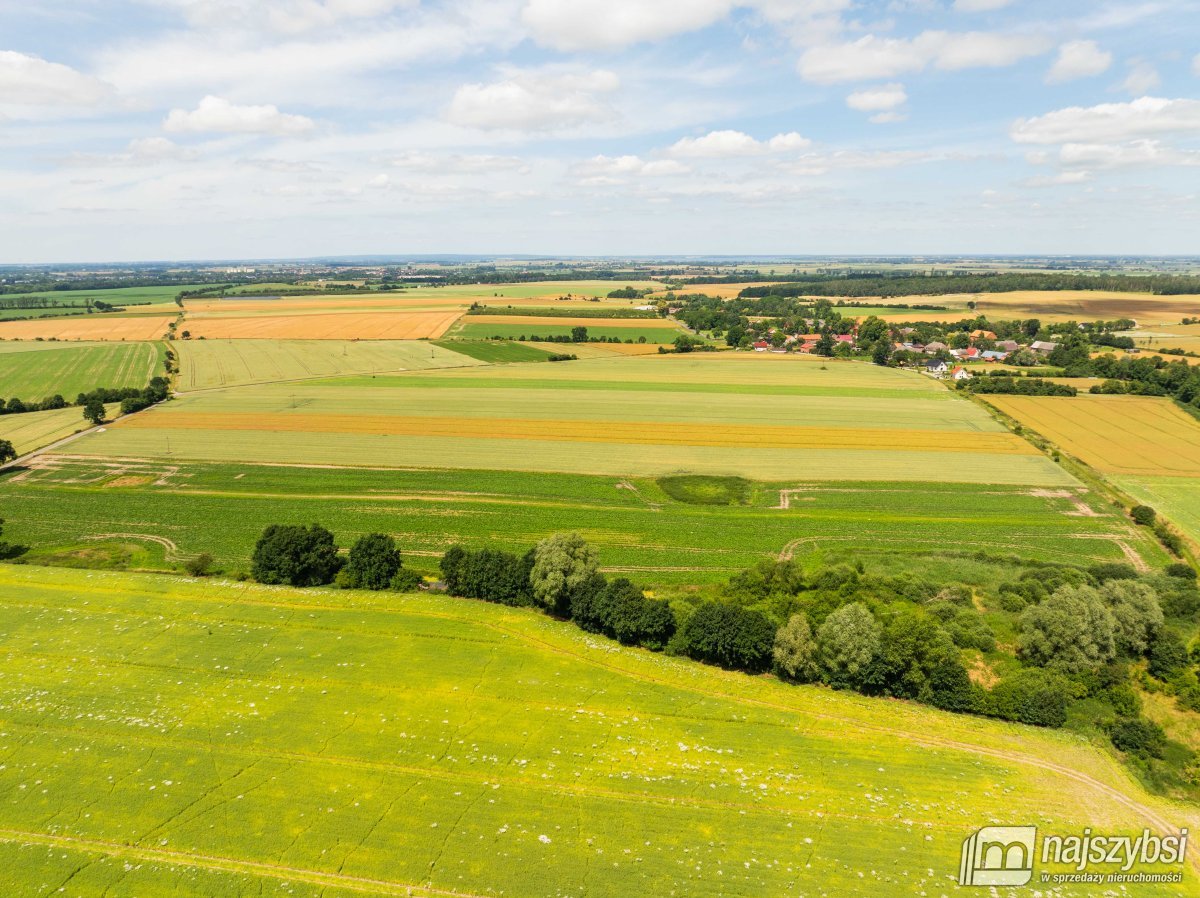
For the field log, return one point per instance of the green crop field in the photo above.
(738, 416)
(205, 364)
(481, 329)
(166, 737)
(496, 352)
(36, 374)
(117, 295)
(1178, 498)
(33, 430)
(62, 503)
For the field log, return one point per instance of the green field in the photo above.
(641, 529)
(33, 430)
(33, 373)
(495, 352)
(636, 417)
(482, 329)
(1177, 498)
(206, 364)
(166, 737)
(117, 295)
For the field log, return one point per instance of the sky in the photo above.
(236, 129)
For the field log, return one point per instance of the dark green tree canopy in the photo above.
(296, 556)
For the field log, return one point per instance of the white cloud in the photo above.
(733, 144)
(1062, 179)
(30, 81)
(1078, 59)
(284, 16)
(980, 5)
(603, 24)
(1142, 78)
(872, 57)
(535, 101)
(219, 115)
(140, 152)
(612, 170)
(1196, 64)
(455, 163)
(1111, 122)
(884, 99)
(1137, 153)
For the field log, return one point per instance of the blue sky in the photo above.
(192, 129)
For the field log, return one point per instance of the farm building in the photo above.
(936, 367)
(935, 347)
(762, 346)
(1043, 347)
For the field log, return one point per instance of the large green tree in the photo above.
(373, 562)
(795, 650)
(1072, 631)
(7, 452)
(849, 642)
(730, 636)
(93, 411)
(561, 564)
(296, 556)
(1137, 615)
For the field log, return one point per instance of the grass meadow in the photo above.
(36, 374)
(1178, 498)
(73, 508)
(631, 417)
(163, 736)
(209, 364)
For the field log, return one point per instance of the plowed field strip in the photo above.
(632, 433)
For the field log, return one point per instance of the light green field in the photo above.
(480, 329)
(646, 417)
(68, 370)
(496, 352)
(1177, 498)
(206, 364)
(171, 738)
(118, 295)
(33, 430)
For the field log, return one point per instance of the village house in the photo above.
(982, 335)
(762, 346)
(935, 347)
(1043, 347)
(961, 373)
(1008, 345)
(936, 367)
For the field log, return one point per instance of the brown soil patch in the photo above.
(129, 480)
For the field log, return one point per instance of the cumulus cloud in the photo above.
(215, 114)
(30, 81)
(1078, 59)
(885, 101)
(1111, 122)
(604, 24)
(980, 5)
(872, 57)
(733, 144)
(1138, 152)
(535, 101)
(611, 170)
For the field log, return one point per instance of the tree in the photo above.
(874, 330)
(882, 354)
(560, 565)
(7, 452)
(373, 562)
(1139, 737)
(487, 574)
(916, 654)
(825, 345)
(849, 644)
(795, 650)
(1168, 655)
(658, 624)
(1072, 631)
(296, 556)
(1136, 612)
(730, 636)
(579, 335)
(93, 411)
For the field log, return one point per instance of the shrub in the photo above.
(1136, 614)
(486, 574)
(405, 580)
(296, 556)
(730, 636)
(1168, 655)
(199, 565)
(1102, 573)
(1036, 697)
(1144, 515)
(1180, 571)
(373, 562)
(1139, 737)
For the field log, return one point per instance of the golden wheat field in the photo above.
(326, 326)
(1116, 434)
(87, 327)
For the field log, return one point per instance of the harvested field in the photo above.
(206, 364)
(490, 327)
(1114, 434)
(325, 326)
(1049, 305)
(599, 350)
(534, 324)
(88, 327)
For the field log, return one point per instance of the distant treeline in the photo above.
(921, 284)
(599, 312)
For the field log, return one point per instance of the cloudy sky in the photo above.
(194, 129)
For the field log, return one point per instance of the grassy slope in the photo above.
(195, 739)
(207, 364)
(639, 529)
(71, 370)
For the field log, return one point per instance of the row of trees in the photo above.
(920, 284)
(308, 556)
